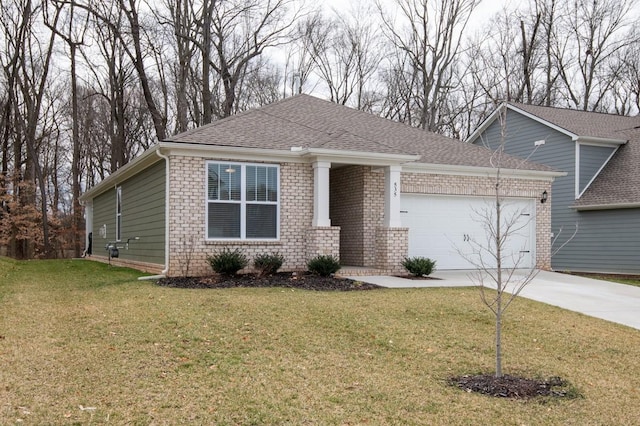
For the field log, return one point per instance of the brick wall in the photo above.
(356, 190)
(357, 206)
(373, 215)
(187, 231)
(323, 240)
(346, 210)
(392, 245)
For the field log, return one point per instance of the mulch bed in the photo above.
(511, 386)
(299, 280)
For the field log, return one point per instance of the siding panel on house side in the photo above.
(143, 216)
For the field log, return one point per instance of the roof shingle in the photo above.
(619, 182)
(308, 122)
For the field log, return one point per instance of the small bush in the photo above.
(419, 266)
(268, 264)
(227, 261)
(323, 265)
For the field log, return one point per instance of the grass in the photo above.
(629, 281)
(616, 278)
(84, 343)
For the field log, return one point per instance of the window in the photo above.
(118, 213)
(242, 201)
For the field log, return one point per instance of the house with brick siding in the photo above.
(600, 194)
(304, 177)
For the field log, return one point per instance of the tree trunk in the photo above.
(75, 165)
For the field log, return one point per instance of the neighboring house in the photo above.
(304, 177)
(601, 191)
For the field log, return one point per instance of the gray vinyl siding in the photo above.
(607, 240)
(143, 216)
(592, 158)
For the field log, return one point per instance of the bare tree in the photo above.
(26, 64)
(626, 87)
(500, 272)
(345, 51)
(73, 36)
(593, 32)
(240, 32)
(428, 35)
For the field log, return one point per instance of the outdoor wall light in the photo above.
(544, 197)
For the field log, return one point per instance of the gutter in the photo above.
(166, 212)
(122, 174)
(447, 169)
(596, 141)
(613, 206)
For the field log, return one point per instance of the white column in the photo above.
(321, 193)
(392, 197)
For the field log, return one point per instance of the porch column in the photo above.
(392, 197)
(321, 194)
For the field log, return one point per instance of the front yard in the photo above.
(84, 343)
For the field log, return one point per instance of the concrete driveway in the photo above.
(614, 302)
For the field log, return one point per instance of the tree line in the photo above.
(86, 85)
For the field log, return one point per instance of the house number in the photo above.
(395, 189)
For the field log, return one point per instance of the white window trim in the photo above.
(118, 213)
(243, 202)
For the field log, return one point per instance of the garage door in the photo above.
(451, 230)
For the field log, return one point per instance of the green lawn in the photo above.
(629, 281)
(82, 343)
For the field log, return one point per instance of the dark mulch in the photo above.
(299, 280)
(513, 387)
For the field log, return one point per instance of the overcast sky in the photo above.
(481, 15)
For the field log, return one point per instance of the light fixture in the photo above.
(230, 170)
(544, 197)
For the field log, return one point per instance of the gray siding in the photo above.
(592, 158)
(607, 241)
(143, 215)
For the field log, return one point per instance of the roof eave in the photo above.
(448, 169)
(609, 206)
(231, 152)
(486, 123)
(133, 167)
(596, 141)
(359, 157)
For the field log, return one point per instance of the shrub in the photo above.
(323, 265)
(227, 261)
(268, 264)
(419, 266)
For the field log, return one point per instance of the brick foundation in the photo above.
(324, 240)
(392, 246)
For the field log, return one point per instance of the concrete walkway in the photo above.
(614, 302)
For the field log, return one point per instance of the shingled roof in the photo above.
(583, 123)
(308, 122)
(618, 184)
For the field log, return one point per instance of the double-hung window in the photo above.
(242, 201)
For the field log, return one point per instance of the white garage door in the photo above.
(451, 230)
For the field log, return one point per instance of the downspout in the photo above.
(166, 212)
